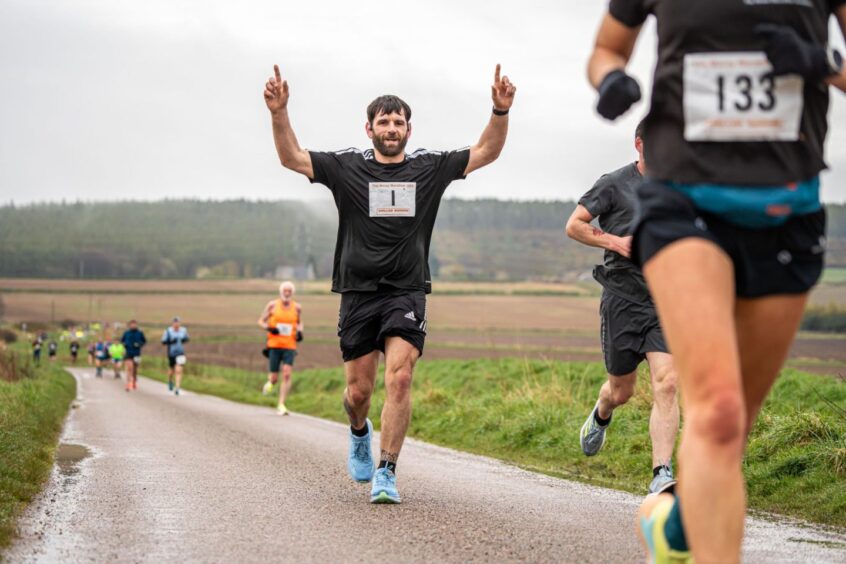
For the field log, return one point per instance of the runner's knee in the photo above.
(398, 382)
(622, 389)
(664, 383)
(719, 419)
(358, 393)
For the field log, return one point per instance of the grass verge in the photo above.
(529, 413)
(33, 406)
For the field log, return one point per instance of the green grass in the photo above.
(833, 275)
(529, 413)
(32, 410)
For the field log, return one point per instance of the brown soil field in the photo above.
(320, 350)
(545, 313)
(461, 326)
(265, 286)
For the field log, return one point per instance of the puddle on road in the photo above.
(68, 457)
(825, 543)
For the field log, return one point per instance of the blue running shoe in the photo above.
(360, 462)
(384, 487)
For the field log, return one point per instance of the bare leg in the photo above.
(285, 386)
(701, 334)
(178, 374)
(616, 391)
(664, 420)
(361, 377)
(765, 330)
(400, 357)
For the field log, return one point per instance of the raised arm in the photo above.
(490, 144)
(606, 68)
(291, 155)
(580, 229)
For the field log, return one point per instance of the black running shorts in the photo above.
(628, 330)
(787, 259)
(366, 319)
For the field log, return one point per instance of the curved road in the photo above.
(200, 479)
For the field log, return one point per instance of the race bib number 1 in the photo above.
(730, 97)
(393, 199)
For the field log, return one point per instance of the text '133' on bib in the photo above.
(393, 199)
(731, 97)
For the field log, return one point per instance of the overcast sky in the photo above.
(152, 99)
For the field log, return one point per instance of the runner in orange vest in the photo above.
(282, 318)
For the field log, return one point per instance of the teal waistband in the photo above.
(754, 207)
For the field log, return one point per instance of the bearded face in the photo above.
(390, 133)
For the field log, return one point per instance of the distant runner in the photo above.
(52, 349)
(630, 332)
(74, 350)
(134, 340)
(117, 352)
(101, 355)
(36, 350)
(90, 350)
(387, 202)
(283, 320)
(174, 338)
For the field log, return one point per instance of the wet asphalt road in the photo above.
(199, 479)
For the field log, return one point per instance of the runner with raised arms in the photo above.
(387, 202)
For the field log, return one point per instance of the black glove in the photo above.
(273, 330)
(617, 92)
(788, 53)
(300, 336)
(265, 352)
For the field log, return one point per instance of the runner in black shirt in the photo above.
(630, 331)
(731, 230)
(387, 202)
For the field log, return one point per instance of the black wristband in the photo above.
(500, 112)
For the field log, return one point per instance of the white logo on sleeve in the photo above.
(410, 315)
(393, 199)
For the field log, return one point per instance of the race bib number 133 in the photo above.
(731, 97)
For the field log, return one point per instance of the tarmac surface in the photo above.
(146, 476)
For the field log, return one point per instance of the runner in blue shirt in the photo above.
(133, 339)
(174, 337)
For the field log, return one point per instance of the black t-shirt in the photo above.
(728, 94)
(386, 213)
(612, 201)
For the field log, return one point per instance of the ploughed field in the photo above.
(466, 320)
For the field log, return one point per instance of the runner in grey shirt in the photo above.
(630, 332)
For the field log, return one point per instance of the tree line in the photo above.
(473, 240)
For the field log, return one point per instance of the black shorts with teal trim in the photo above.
(785, 259)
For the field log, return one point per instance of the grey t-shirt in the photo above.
(612, 200)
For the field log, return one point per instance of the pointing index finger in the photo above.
(496, 74)
(277, 73)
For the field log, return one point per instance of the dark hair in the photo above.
(639, 129)
(388, 104)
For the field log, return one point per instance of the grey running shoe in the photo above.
(592, 435)
(663, 482)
